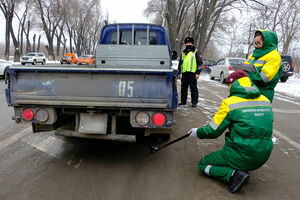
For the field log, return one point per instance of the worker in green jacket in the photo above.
(248, 116)
(267, 61)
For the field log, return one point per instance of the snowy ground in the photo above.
(290, 87)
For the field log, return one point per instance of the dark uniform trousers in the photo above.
(188, 79)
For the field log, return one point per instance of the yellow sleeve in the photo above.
(270, 69)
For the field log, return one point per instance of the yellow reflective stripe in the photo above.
(249, 103)
(250, 88)
(213, 125)
(248, 61)
(192, 62)
(264, 77)
(207, 168)
(260, 62)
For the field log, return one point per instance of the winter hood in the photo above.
(270, 43)
(244, 88)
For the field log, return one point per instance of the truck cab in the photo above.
(140, 46)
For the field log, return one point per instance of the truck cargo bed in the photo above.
(91, 87)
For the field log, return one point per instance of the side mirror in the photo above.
(174, 55)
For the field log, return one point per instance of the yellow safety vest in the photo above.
(189, 62)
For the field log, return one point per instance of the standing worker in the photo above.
(248, 116)
(189, 68)
(267, 61)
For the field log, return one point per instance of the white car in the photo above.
(4, 65)
(33, 58)
(223, 68)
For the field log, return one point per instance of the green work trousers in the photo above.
(215, 165)
(267, 93)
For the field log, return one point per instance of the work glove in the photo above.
(193, 132)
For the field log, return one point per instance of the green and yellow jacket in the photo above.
(267, 62)
(248, 116)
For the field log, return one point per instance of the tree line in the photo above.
(73, 24)
(230, 23)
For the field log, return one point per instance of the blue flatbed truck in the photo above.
(130, 92)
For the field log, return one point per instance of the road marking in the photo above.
(292, 142)
(276, 132)
(14, 138)
(51, 145)
(56, 148)
(220, 97)
(289, 111)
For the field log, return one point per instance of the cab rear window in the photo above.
(140, 37)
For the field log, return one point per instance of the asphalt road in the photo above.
(44, 166)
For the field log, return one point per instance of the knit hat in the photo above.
(188, 39)
(236, 75)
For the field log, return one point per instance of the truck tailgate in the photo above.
(91, 87)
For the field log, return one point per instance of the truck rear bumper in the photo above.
(117, 137)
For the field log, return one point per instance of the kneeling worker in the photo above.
(249, 117)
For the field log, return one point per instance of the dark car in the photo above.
(287, 67)
(207, 63)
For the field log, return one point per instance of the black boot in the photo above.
(237, 180)
(194, 105)
(180, 104)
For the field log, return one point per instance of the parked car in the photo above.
(33, 58)
(4, 65)
(207, 63)
(87, 60)
(223, 68)
(69, 58)
(287, 67)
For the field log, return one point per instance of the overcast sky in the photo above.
(120, 11)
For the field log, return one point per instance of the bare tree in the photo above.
(82, 27)
(197, 18)
(51, 13)
(280, 16)
(8, 8)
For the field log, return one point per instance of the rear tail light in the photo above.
(27, 114)
(158, 119)
(142, 118)
(204, 67)
(41, 115)
(292, 64)
(230, 68)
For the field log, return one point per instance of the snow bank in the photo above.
(291, 87)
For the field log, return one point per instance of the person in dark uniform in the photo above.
(189, 68)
